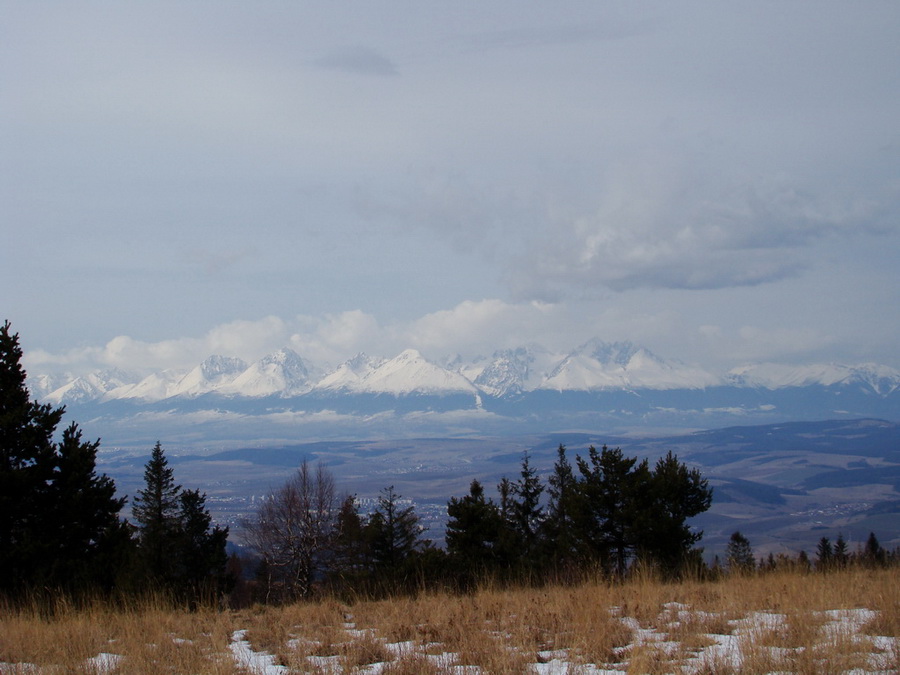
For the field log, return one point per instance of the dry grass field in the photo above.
(841, 622)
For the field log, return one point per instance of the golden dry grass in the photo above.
(779, 622)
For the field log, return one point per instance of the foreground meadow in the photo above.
(845, 621)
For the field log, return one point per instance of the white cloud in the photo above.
(474, 327)
(656, 229)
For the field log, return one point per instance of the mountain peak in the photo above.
(410, 372)
(282, 373)
(598, 365)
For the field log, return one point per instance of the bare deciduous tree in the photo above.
(293, 531)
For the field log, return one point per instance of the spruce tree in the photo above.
(668, 496)
(350, 554)
(873, 554)
(739, 554)
(200, 549)
(473, 532)
(394, 534)
(26, 468)
(559, 528)
(156, 511)
(841, 555)
(59, 525)
(824, 555)
(609, 486)
(91, 544)
(527, 513)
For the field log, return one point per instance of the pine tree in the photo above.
(873, 555)
(473, 532)
(739, 554)
(155, 511)
(824, 555)
(26, 468)
(90, 543)
(841, 556)
(59, 524)
(527, 514)
(350, 552)
(200, 553)
(667, 497)
(394, 534)
(559, 529)
(609, 492)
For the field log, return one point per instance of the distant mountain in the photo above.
(89, 387)
(283, 373)
(881, 380)
(214, 373)
(348, 376)
(617, 385)
(622, 365)
(409, 373)
(508, 372)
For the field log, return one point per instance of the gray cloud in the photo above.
(684, 238)
(359, 61)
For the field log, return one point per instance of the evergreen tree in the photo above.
(178, 545)
(824, 555)
(90, 544)
(559, 529)
(394, 534)
(526, 513)
(200, 553)
(473, 532)
(59, 523)
(350, 553)
(739, 554)
(873, 555)
(665, 499)
(156, 512)
(609, 486)
(840, 555)
(505, 490)
(26, 468)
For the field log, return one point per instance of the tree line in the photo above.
(60, 524)
(605, 513)
(740, 557)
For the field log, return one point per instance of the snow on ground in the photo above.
(724, 652)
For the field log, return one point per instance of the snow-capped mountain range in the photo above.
(595, 366)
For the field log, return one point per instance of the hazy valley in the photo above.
(784, 486)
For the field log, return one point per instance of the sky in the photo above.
(716, 181)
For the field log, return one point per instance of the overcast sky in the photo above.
(717, 181)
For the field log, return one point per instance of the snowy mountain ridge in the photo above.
(595, 366)
(883, 380)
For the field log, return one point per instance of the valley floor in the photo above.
(841, 622)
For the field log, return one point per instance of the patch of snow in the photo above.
(258, 663)
(104, 663)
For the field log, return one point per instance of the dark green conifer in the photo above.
(59, 524)
(394, 534)
(473, 532)
(155, 512)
